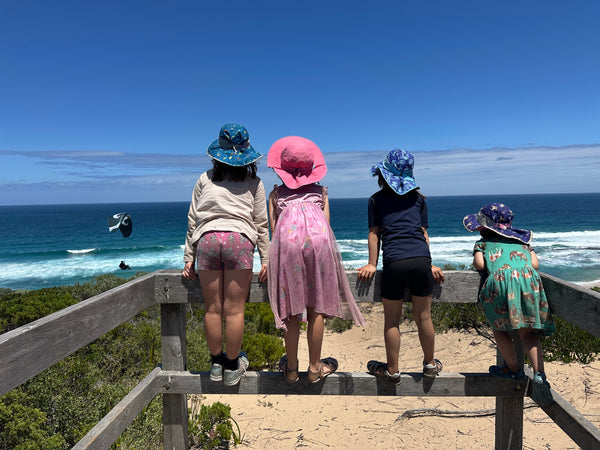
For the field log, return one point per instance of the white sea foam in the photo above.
(85, 250)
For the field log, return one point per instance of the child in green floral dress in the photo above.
(512, 295)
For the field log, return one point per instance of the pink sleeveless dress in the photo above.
(305, 265)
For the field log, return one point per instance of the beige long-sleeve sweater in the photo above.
(238, 206)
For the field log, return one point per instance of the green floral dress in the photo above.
(512, 295)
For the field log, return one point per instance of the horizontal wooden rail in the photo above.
(30, 349)
(346, 383)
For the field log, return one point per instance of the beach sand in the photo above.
(336, 422)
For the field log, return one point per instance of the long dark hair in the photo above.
(222, 171)
(386, 187)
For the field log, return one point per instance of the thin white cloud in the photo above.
(119, 176)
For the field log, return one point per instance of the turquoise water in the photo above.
(44, 246)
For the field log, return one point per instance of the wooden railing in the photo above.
(30, 349)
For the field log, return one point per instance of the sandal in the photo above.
(330, 362)
(380, 369)
(430, 370)
(289, 374)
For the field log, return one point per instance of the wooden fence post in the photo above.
(173, 352)
(509, 410)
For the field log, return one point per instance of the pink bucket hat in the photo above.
(297, 160)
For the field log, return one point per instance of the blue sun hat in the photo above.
(233, 146)
(498, 218)
(397, 170)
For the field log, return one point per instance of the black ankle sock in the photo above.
(218, 359)
(230, 364)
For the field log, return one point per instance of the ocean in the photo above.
(44, 246)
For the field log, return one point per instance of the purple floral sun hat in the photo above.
(498, 218)
(397, 170)
(233, 146)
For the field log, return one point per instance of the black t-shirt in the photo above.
(401, 219)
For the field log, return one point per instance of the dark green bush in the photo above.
(211, 426)
(25, 427)
(570, 343)
(263, 350)
(259, 318)
(20, 307)
(338, 325)
(98, 285)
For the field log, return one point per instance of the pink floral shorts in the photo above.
(224, 250)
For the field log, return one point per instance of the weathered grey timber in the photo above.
(28, 350)
(575, 304)
(348, 383)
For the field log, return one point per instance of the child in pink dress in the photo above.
(305, 270)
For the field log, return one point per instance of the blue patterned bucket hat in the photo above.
(397, 170)
(233, 146)
(498, 218)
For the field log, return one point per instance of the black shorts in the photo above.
(413, 274)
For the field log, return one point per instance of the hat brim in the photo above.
(317, 173)
(294, 182)
(232, 157)
(471, 223)
(399, 184)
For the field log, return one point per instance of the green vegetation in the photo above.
(59, 406)
(211, 426)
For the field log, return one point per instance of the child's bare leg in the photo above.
(507, 350)
(392, 314)
(314, 336)
(421, 307)
(291, 337)
(533, 347)
(235, 287)
(212, 288)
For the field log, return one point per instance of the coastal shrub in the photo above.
(198, 356)
(145, 432)
(18, 308)
(259, 318)
(462, 317)
(24, 426)
(570, 344)
(338, 325)
(98, 285)
(264, 350)
(211, 426)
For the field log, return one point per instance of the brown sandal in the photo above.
(289, 374)
(330, 362)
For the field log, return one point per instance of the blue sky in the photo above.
(104, 101)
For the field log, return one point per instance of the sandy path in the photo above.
(278, 421)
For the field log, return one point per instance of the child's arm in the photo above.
(534, 260)
(437, 272)
(272, 211)
(478, 261)
(326, 205)
(365, 273)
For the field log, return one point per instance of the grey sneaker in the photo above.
(233, 377)
(216, 372)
